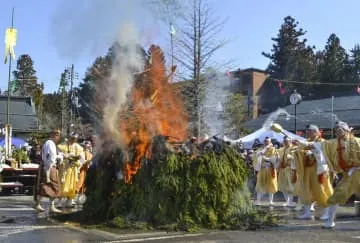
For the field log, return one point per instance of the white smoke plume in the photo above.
(88, 28)
(216, 93)
(121, 80)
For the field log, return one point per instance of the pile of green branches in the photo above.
(173, 190)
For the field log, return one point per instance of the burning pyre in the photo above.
(153, 108)
(178, 181)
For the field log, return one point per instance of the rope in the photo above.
(307, 83)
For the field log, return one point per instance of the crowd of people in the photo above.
(62, 172)
(316, 171)
(310, 170)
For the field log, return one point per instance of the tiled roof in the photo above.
(317, 112)
(23, 117)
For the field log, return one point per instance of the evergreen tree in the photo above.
(94, 83)
(355, 59)
(63, 92)
(290, 59)
(355, 65)
(25, 75)
(93, 89)
(234, 113)
(26, 81)
(335, 68)
(51, 117)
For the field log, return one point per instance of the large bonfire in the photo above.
(151, 178)
(154, 109)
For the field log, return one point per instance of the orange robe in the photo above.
(80, 186)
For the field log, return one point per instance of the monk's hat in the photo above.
(74, 135)
(86, 144)
(312, 127)
(343, 125)
(287, 138)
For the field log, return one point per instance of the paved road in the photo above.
(290, 230)
(20, 223)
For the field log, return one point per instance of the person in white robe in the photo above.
(48, 179)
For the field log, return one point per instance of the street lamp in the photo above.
(295, 99)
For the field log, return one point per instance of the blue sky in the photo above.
(57, 33)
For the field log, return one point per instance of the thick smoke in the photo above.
(215, 97)
(88, 28)
(127, 61)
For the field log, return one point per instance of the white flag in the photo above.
(10, 43)
(172, 30)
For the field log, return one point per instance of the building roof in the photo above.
(23, 117)
(316, 112)
(250, 70)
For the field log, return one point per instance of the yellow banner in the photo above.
(10, 43)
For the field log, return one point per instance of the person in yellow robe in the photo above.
(343, 156)
(265, 168)
(74, 157)
(285, 184)
(315, 187)
(80, 186)
(296, 174)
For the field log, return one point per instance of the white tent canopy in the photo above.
(261, 134)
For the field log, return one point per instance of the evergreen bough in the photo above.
(173, 191)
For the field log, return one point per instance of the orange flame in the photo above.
(155, 109)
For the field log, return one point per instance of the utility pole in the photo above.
(71, 96)
(63, 110)
(62, 90)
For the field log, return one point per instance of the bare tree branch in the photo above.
(194, 48)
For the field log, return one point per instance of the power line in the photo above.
(308, 83)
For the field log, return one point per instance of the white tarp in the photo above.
(261, 134)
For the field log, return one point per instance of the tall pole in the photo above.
(62, 111)
(63, 126)
(172, 52)
(9, 77)
(71, 95)
(295, 99)
(8, 126)
(295, 119)
(172, 45)
(332, 117)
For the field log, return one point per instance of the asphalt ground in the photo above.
(19, 222)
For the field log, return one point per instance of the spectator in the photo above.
(256, 144)
(35, 154)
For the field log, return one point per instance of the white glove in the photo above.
(289, 156)
(60, 157)
(309, 152)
